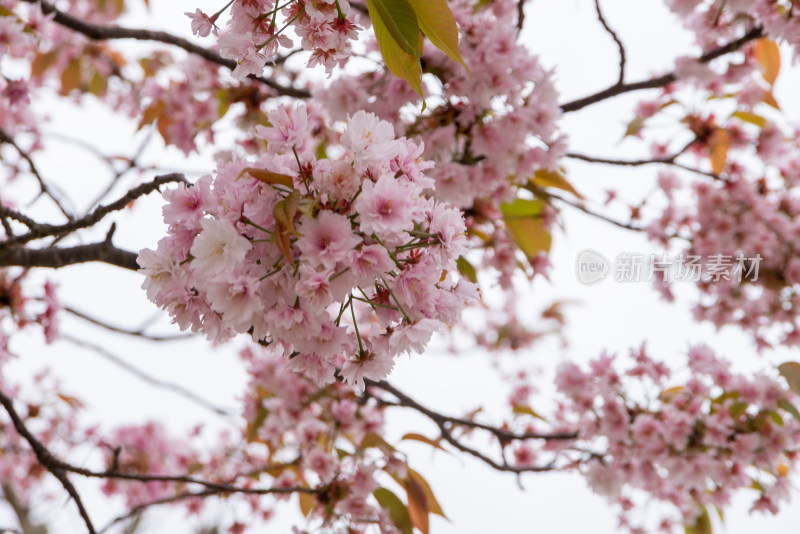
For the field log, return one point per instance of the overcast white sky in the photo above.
(609, 316)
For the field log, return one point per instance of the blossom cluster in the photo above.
(254, 35)
(689, 445)
(344, 262)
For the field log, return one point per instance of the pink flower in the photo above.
(387, 208)
(290, 128)
(218, 248)
(370, 365)
(327, 239)
(368, 263)
(369, 138)
(201, 23)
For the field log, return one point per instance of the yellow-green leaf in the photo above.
(527, 410)
(768, 56)
(424, 439)
(791, 372)
(467, 270)
(397, 510)
(437, 22)
(524, 223)
(400, 21)
(789, 407)
(546, 178)
(71, 77)
(401, 59)
(752, 118)
(702, 524)
(372, 439)
(269, 177)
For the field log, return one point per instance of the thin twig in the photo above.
(153, 381)
(128, 332)
(617, 40)
(446, 424)
(48, 461)
(46, 230)
(43, 187)
(102, 33)
(660, 81)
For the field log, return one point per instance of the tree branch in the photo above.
(45, 230)
(128, 332)
(102, 33)
(60, 468)
(57, 257)
(48, 461)
(43, 187)
(447, 423)
(614, 36)
(661, 81)
(153, 381)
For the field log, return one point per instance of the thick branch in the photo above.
(48, 461)
(101, 33)
(57, 257)
(661, 81)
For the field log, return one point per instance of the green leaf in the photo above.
(397, 510)
(437, 22)
(522, 207)
(702, 524)
(789, 408)
(467, 270)
(525, 225)
(401, 57)
(400, 21)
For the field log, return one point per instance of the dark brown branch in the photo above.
(520, 15)
(102, 33)
(57, 257)
(43, 187)
(661, 81)
(617, 40)
(580, 206)
(48, 461)
(46, 230)
(446, 424)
